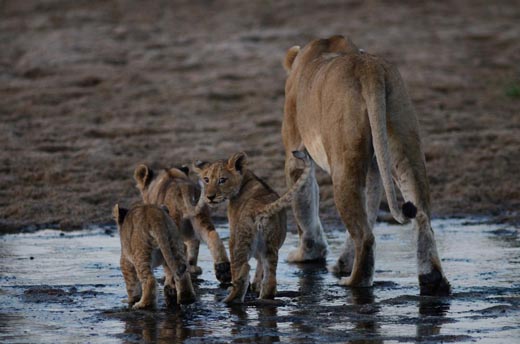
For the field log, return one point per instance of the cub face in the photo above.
(221, 179)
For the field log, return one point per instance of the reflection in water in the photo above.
(432, 312)
(240, 317)
(159, 327)
(366, 323)
(482, 262)
(265, 332)
(311, 286)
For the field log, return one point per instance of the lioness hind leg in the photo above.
(413, 182)
(349, 196)
(345, 262)
(312, 244)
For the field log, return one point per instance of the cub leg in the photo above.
(349, 196)
(170, 292)
(343, 266)
(256, 285)
(240, 242)
(206, 230)
(192, 253)
(268, 290)
(147, 280)
(133, 287)
(312, 242)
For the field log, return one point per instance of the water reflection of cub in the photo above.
(159, 327)
(266, 331)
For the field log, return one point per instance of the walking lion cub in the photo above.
(173, 188)
(150, 238)
(256, 217)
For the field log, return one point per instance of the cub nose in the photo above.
(211, 197)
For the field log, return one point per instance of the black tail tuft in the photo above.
(409, 210)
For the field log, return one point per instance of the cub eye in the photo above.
(222, 180)
(206, 180)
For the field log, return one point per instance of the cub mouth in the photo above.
(213, 203)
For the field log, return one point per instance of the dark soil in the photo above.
(89, 89)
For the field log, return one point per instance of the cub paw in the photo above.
(170, 296)
(301, 255)
(143, 305)
(223, 272)
(195, 270)
(186, 297)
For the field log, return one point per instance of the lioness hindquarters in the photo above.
(150, 238)
(347, 107)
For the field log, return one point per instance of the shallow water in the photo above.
(67, 287)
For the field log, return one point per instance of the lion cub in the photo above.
(173, 188)
(256, 217)
(149, 238)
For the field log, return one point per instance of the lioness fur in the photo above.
(352, 113)
(150, 238)
(173, 188)
(257, 220)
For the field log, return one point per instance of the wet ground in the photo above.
(67, 287)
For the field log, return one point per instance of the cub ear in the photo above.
(119, 214)
(198, 166)
(143, 176)
(237, 162)
(185, 169)
(341, 44)
(289, 58)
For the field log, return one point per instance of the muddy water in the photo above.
(67, 287)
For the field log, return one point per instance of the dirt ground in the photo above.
(89, 89)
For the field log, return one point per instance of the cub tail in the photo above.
(286, 199)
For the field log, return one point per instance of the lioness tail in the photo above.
(374, 93)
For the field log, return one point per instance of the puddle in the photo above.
(67, 287)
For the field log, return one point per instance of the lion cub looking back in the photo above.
(173, 188)
(256, 217)
(149, 237)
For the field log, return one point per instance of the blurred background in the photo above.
(89, 89)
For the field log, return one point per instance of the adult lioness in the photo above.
(352, 113)
(173, 188)
(149, 238)
(256, 217)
